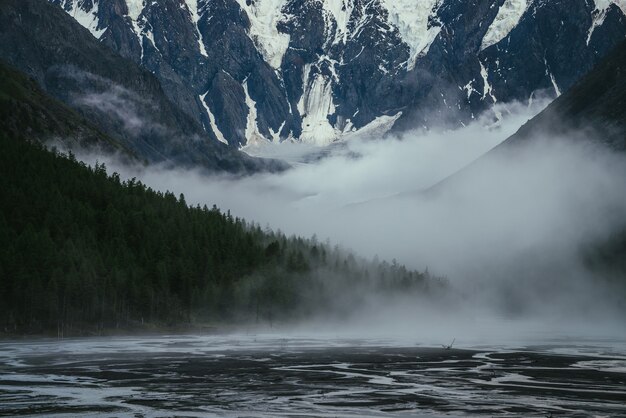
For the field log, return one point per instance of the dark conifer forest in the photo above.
(83, 252)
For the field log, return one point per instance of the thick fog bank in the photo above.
(508, 233)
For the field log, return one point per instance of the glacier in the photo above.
(315, 105)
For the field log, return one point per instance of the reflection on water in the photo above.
(274, 375)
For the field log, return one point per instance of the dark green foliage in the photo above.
(83, 250)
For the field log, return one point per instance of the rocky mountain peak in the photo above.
(316, 70)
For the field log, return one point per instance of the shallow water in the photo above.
(274, 375)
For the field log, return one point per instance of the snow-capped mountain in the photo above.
(315, 70)
(82, 94)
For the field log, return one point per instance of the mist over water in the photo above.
(507, 233)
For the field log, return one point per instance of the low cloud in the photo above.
(114, 102)
(117, 103)
(507, 234)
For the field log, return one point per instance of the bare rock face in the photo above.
(314, 70)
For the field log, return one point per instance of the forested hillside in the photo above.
(82, 251)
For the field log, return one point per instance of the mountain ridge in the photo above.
(312, 70)
(592, 112)
(124, 101)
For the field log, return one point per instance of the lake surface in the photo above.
(295, 376)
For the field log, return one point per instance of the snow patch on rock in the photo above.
(509, 15)
(85, 14)
(604, 4)
(192, 7)
(412, 20)
(599, 14)
(557, 90)
(214, 128)
(253, 136)
(264, 16)
(135, 7)
(376, 128)
(487, 89)
(340, 11)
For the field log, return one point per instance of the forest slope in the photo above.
(82, 251)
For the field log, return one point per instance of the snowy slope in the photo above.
(264, 17)
(507, 18)
(412, 20)
(86, 14)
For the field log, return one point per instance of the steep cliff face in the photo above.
(313, 70)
